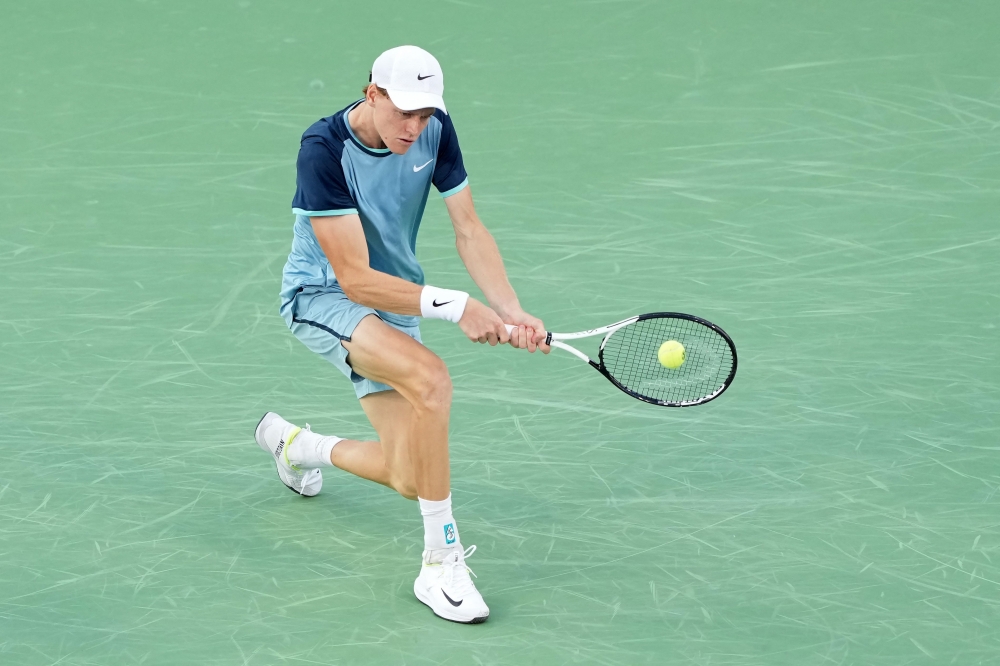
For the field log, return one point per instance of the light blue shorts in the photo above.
(323, 317)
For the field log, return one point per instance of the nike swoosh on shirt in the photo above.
(418, 168)
(456, 604)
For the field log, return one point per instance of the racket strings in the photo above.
(630, 356)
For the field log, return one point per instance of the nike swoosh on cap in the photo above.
(418, 168)
(421, 78)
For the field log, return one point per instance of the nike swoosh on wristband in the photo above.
(437, 305)
(418, 168)
(456, 604)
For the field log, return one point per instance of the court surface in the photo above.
(821, 179)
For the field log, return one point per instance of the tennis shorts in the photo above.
(321, 318)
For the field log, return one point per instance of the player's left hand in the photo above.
(529, 334)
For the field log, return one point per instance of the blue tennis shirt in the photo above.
(338, 175)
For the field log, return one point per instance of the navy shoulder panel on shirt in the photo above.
(449, 169)
(320, 185)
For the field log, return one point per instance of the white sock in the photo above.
(440, 529)
(310, 450)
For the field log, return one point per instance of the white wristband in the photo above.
(445, 304)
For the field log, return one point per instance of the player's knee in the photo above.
(432, 388)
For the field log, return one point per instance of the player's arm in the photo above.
(343, 241)
(481, 256)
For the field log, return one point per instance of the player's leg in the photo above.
(324, 320)
(415, 442)
(305, 451)
(321, 318)
(386, 355)
(412, 456)
(386, 461)
(390, 414)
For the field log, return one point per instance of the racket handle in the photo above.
(548, 335)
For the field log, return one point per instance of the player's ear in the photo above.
(371, 93)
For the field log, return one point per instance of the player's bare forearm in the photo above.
(343, 241)
(480, 254)
(382, 291)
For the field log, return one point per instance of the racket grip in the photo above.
(548, 334)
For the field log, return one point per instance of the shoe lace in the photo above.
(457, 571)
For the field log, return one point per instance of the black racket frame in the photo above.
(600, 367)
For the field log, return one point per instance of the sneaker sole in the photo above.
(256, 436)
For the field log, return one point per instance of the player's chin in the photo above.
(401, 146)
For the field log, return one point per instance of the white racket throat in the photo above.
(555, 339)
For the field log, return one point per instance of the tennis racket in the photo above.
(628, 357)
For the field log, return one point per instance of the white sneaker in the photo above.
(444, 586)
(274, 434)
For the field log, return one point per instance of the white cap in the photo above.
(412, 77)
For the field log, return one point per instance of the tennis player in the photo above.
(352, 292)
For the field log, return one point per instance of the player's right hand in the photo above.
(482, 324)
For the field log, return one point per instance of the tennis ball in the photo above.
(671, 354)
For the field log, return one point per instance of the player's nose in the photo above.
(416, 125)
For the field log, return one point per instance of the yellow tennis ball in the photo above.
(671, 354)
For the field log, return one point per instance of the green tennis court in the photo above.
(821, 179)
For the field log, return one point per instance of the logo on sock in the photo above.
(449, 533)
